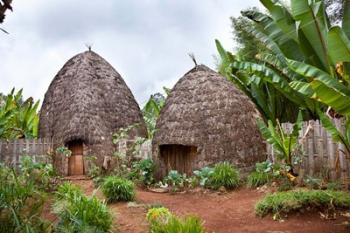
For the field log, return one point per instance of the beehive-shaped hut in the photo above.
(205, 120)
(85, 104)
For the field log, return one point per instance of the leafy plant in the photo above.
(79, 213)
(204, 175)
(152, 109)
(286, 202)
(162, 220)
(143, 171)
(224, 174)
(118, 189)
(21, 202)
(256, 179)
(41, 174)
(18, 118)
(64, 151)
(285, 144)
(160, 215)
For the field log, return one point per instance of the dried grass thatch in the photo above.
(88, 101)
(207, 112)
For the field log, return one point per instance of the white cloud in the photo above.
(146, 41)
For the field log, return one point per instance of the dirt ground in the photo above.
(227, 213)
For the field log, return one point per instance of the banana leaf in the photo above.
(326, 89)
(338, 45)
(311, 22)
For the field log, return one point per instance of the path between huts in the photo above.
(231, 212)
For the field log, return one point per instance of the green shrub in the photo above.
(118, 189)
(285, 202)
(142, 171)
(336, 186)
(21, 202)
(256, 179)
(67, 190)
(158, 214)
(174, 178)
(79, 213)
(225, 175)
(39, 173)
(161, 221)
(203, 175)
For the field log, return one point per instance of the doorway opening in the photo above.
(178, 157)
(76, 161)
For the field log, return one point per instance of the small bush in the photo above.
(118, 189)
(67, 190)
(161, 220)
(256, 179)
(142, 171)
(21, 202)
(203, 175)
(79, 213)
(159, 214)
(225, 175)
(335, 186)
(285, 202)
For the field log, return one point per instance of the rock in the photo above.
(222, 189)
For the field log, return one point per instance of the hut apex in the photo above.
(191, 55)
(85, 104)
(206, 120)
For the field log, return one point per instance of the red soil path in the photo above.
(231, 212)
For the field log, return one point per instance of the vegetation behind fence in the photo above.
(320, 155)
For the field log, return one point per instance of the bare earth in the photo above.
(231, 212)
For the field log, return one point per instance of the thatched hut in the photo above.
(85, 104)
(206, 120)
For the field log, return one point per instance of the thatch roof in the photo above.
(207, 111)
(88, 100)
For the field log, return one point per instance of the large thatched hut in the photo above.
(85, 104)
(206, 120)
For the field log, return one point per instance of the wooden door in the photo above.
(76, 161)
(178, 157)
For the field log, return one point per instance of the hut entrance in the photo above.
(76, 162)
(178, 157)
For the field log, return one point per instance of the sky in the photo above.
(146, 41)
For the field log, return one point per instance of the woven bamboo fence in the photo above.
(11, 151)
(321, 156)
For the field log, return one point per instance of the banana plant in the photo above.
(18, 118)
(285, 144)
(152, 109)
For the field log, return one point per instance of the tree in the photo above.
(5, 5)
(247, 45)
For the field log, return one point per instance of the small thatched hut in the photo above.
(205, 120)
(85, 104)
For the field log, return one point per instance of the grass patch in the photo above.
(118, 189)
(291, 201)
(224, 174)
(257, 179)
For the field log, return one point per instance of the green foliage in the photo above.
(18, 119)
(285, 144)
(335, 186)
(118, 189)
(203, 175)
(305, 64)
(162, 221)
(41, 174)
(285, 202)
(256, 179)
(64, 151)
(174, 178)
(142, 171)
(152, 109)
(21, 199)
(79, 213)
(160, 214)
(224, 174)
